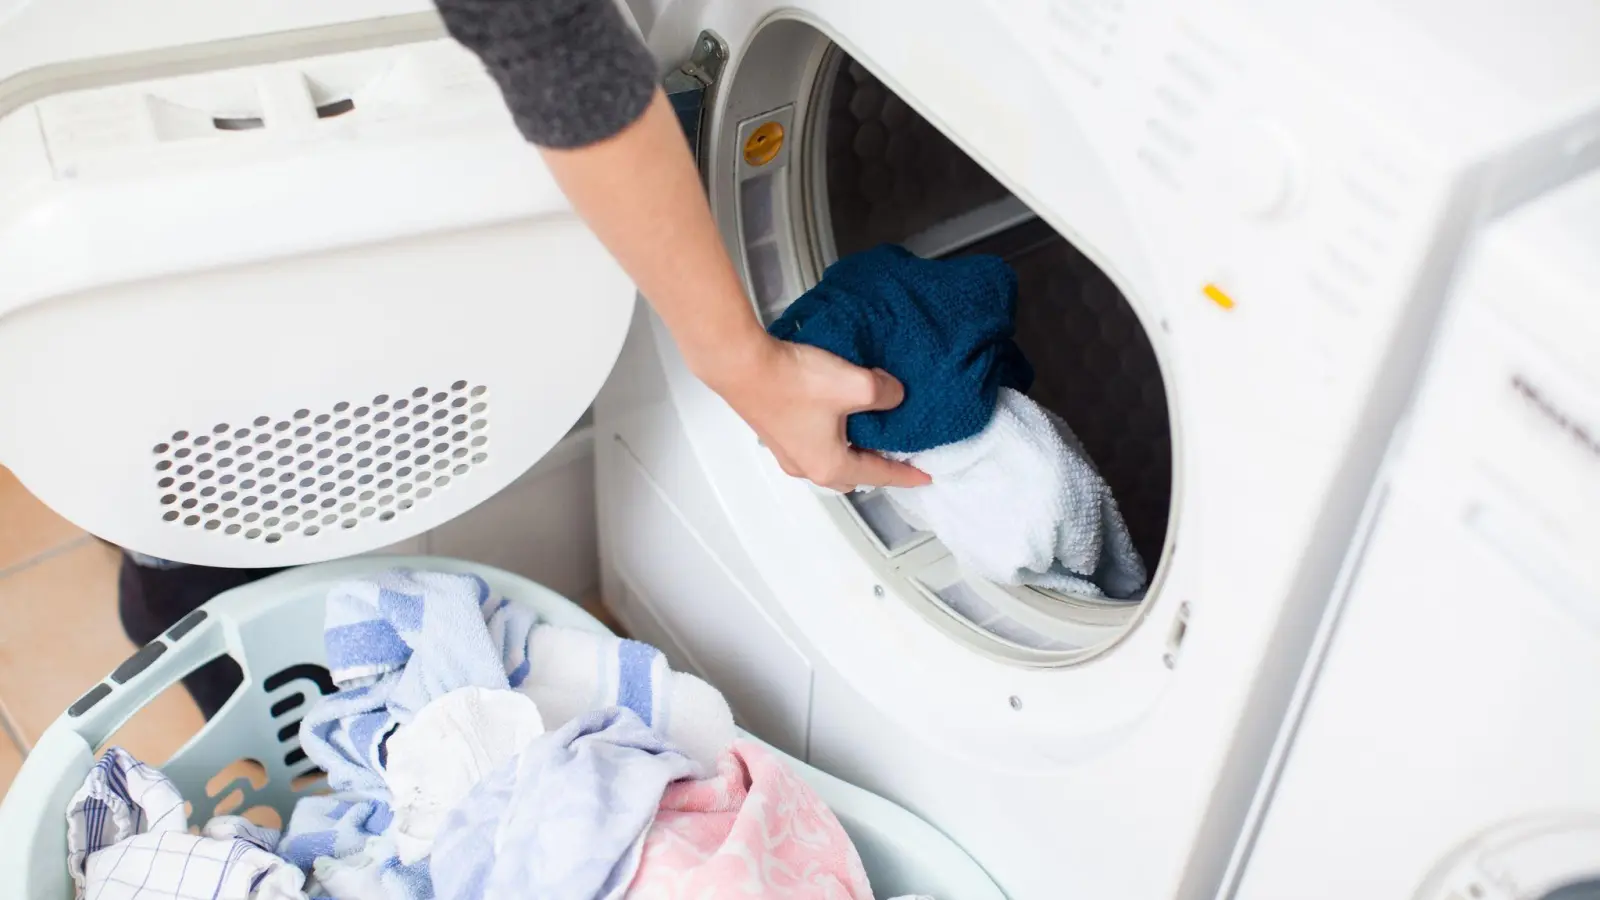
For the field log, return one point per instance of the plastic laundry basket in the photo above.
(273, 628)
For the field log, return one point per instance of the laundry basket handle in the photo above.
(34, 851)
(195, 640)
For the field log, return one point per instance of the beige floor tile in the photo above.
(59, 635)
(27, 527)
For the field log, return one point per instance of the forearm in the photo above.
(641, 194)
(582, 87)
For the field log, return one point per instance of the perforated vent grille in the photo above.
(273, 478)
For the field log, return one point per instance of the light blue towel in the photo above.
(563, 821)
(393, 644)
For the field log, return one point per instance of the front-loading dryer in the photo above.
(1233, 223)
(1445, 742)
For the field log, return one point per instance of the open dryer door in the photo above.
(265, 315)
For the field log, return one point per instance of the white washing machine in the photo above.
(1445, 743)
(1234, 224)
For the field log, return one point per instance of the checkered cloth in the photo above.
(168, 865)
(128, 839)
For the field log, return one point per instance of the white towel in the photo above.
(395, 643)
(1022, 503)
(451, 745)
(573, 672)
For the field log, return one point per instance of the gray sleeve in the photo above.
(572, 71)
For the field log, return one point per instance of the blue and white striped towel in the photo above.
(574, 672)
(394, 643)
(406, 638)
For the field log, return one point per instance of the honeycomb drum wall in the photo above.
(891, 175)
(1095, 368)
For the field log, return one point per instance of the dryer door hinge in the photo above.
(688, 86)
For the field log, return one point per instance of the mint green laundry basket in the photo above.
(273, 629)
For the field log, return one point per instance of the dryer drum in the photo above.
(892, 175)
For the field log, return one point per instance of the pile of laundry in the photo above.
(473, 751)
(1014, 496)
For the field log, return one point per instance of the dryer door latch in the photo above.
(687, 85)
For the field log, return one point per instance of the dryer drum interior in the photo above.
(868, 169)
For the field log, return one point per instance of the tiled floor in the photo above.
(59, 633)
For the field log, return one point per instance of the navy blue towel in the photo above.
(943, 327)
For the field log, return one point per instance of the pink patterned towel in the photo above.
(754, 829)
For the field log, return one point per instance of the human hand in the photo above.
(796, 398)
